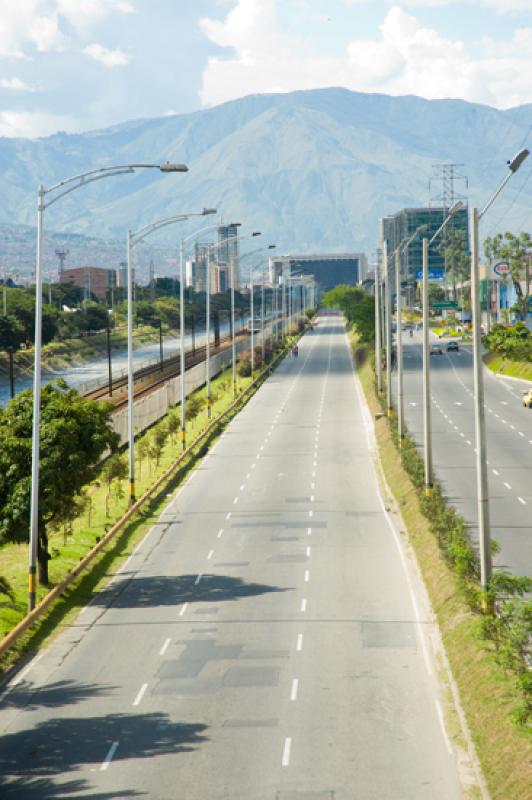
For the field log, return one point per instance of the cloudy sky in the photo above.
(82, 64)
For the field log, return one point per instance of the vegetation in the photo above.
(75, 433)
(514, 343)
(454, 248)
(357, 307)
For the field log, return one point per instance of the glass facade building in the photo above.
(402, 225)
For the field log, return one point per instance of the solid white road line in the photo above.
(109, 757)
(286, 752)
(442, 726)
(140, 694)
(184, 608)
(293, 693)
(164, 648)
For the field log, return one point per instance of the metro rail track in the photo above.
(147, 379)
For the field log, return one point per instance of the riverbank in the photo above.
(60, 355)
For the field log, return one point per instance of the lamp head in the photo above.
(169, 167)
(517, 160)
(234, 225)
(257, 233)
(455, 207)
(209, 211)
(272, 246)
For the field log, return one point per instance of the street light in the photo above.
(378, 345)
(252, 308)
(233, 342)
(480, 421)
(403, 247)
(46, 198)
(427, 424)
(133, 238)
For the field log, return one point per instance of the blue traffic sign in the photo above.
(435, 274)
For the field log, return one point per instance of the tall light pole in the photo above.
(378, 346)
(46, 198)
(480, 421)
(133, 238)
(427, 421)
(403, 247)
(388, 313)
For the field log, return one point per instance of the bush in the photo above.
(244, 364)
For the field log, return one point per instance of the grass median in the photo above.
(505, 366)
(488, 692)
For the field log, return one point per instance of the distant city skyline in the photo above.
(71, 64)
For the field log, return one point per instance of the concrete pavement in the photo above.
(264, 642)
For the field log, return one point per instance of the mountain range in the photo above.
(313, 170)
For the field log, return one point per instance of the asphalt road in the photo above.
(266, 641)
(509, 444)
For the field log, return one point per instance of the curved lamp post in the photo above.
(133, 238)
(45, 199)
(480, 421)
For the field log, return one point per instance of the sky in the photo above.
(78, 65)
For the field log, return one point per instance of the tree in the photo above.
(357, 306)
(114, 469)
(455, 251)
(145, 313)
(74, 434)
(516, 250)
(194, 405)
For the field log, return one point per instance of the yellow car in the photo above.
(527, 398)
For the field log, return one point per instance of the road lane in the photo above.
(267, 649)
(509, 446)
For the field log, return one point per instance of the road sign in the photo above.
(501, 268)
(444, 304)
(435, 274)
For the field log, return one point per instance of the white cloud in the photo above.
(406, 59)
(37, 23)
(32, 124)
(109, 58)
(501, 6)
(16, 85)
(83, 14)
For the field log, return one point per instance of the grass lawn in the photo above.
(515, 369)
(488, 694)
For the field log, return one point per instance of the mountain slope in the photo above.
(313, 170)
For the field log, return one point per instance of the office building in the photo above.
(400, 226)
(328, 269)
(227, 251)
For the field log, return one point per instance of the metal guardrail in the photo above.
(14, 635)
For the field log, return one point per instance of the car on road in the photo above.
(527, 398)
(452, 346)
(436, 350)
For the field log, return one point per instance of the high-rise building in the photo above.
(204, 251)
(328, 269)
(400, 226)
(227, 251)
(190, 272)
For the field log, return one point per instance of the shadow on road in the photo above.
(29, 758)
(170, 590)
(62, 693)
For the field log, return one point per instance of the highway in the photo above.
(509, 442)
(268, 639)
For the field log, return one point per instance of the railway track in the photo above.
(147, 379)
